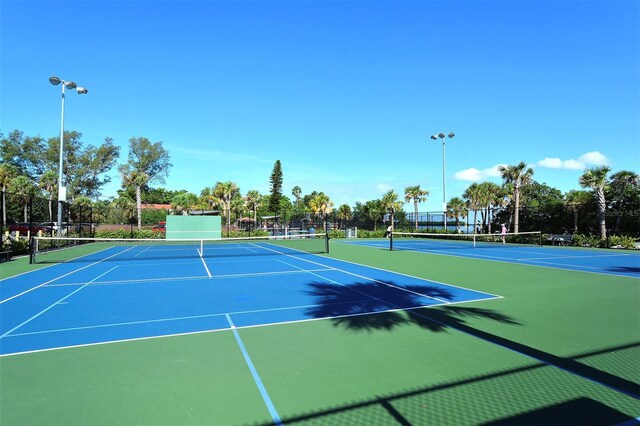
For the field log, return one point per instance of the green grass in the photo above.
(459, 365)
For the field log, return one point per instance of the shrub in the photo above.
(621, 241)
(19, 246)
(364, 233)
(336, 233)
(126, 233)
(614, 241)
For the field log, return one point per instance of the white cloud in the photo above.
(573, 165)
(556, 163)
(384, 187)
(476, 175)
(593, 158)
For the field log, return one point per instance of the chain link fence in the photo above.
(25, 216)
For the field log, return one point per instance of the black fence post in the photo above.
(81, 219)
(2, 215)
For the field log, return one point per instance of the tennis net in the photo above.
(436, 241)
(69, 249)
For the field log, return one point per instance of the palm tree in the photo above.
(574, 199)
(390, 202)
(253, 200)
(344, 213)
(457, 209)
(493, 196)
(182, 202)
(208, 198)
(7, 172)
(519, 175)
(621, 184)
(134, 179)
(483, 198)
(84, 204)
(296, 191)
(49, 182)
(125, 203)
(596, 180)
(418, 196)
(472, 195)
(24, 189)
(320, 204)
(225, 192)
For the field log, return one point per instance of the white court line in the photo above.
(577, 257)
(188, 333)
(140, 281)
(177, 279)
(120, 324)
(497, 296)
(372, 280)
(142, 251)
(205, 266)
(54, 304)
(512, 262)
(61, 276)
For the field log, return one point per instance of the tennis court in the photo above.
(527, 251)
(274, 332)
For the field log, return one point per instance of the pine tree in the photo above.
(276, 187)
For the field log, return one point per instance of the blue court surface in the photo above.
(149, 294)
(602, 261)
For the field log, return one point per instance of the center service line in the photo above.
(254, 373)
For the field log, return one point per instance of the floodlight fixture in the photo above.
(443, 136)
(61, 190)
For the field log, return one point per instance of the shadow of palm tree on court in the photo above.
(351, 306)
(367, 306)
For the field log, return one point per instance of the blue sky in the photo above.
(345, 94)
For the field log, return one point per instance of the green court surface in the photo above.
(559, 347)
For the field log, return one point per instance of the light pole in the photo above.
(444, 173)
(62, 191)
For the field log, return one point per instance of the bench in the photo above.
(5, 256)
(560, 239)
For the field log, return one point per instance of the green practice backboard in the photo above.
(193, 227)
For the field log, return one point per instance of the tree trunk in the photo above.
(50, 207)
(139, 205)
(516, 210)
(415, 205)
(602, 205)
(4, 207)
(475, 221)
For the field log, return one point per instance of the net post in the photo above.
(32, 251)
(391, 241)
(326, 242)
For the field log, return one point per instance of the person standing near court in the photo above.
(503, 232)
(389, 231)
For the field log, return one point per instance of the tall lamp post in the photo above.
(62, 191)
(444, 173)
